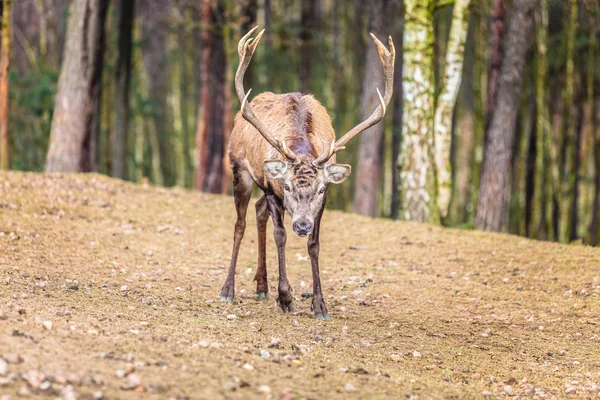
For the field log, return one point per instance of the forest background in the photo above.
(493, 123)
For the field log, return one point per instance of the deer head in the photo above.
(306, 179)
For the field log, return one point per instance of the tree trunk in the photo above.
(155, 33)
(71, 143)
(447, 99)
(369, 157)
(210, 136)
(544, 162)
(308, 24)
(4, 69)
(496, 54)
(397, 105)
(569, 150)
(123, 78)
(499, 146)
(417, 184)
(249, 11)
(594, 229)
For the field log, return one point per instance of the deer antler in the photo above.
(387, 59)
(246, 48)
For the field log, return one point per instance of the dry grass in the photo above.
(129, 276)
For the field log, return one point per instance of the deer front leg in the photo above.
(285, 298)
(262, 217)
(242, 190)
(318, 303)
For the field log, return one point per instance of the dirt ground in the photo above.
(110, 290)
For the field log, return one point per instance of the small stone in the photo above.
(120, 373)
(576, 363)
(47, 325)
(215, 345)
(98, 395)
(265, 354)
(416, 354)
(134, 380)
(204, 344)
(124, 288)
(509, 390)
(229, 386)
(505, 280)
(264, 389)
(248, 367)
(231, 317)
(437, 357)
(274, 342)
(570, 389)
(395, 357)
(45, 385)
(3, 367)
(12, 358)
(348, 387)
(487, 393)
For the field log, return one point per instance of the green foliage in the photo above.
(31, 109)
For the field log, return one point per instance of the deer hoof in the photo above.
(228, 299)
(323, 318)
(261, 296)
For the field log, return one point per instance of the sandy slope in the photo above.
(109, 289)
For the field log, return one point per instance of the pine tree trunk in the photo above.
(119, 144)
(446, 101)
(210, 136)
(78, 86)
(368, 175)
(249, 10)
(569, 150)
(499, 146)
(416, 167)
(4, 78)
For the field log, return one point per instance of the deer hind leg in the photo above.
(285, 298)
(262, 217)
(242, 190)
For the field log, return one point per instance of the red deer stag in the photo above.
(285, 144)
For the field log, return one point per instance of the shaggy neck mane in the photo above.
(301, 121)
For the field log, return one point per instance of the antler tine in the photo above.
(246, 47)
(387, 57)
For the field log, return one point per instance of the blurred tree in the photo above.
(500, 136)
(308, 25)
(71, 149)
(496, 54)
(5, 53)
(569, 150)
(368, 176)
(155, 34)
(594, 228)
(248, 15)
(417, 178)
(397, 105)
(210, 135)
(442, 127)
(123, 78)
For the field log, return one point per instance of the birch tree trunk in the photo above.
(446, 101)
(4, 67)
(416, 168)
(77, 85)
(499, 146)
(119, 145)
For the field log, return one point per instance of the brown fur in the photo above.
(299, 119)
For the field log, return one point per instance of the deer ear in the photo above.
(275, 169)
(337, 173)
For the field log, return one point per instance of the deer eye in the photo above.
(322, 190)
(286, 187)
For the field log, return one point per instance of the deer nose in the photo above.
(302, 227)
